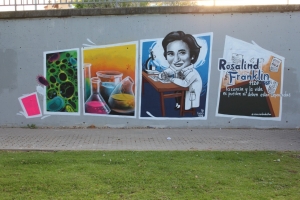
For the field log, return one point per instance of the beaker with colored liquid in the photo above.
(95, 103)
(87, 80)
(122, 98)
(109, 80)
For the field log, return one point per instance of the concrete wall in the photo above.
(24, 36)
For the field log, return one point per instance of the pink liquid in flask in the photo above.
(95, 107)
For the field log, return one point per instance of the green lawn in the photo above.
(150, 175)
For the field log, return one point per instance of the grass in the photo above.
(149, 175)
(31, 126)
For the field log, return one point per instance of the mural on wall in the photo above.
(250, 81)
(62, 95)
(109, 79)
(175, 75)
(30, 105)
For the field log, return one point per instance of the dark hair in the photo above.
(187, 38)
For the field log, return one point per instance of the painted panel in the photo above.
(61, 71)
(175, 76)
(250, 81)
(109, 80)
(30, 105)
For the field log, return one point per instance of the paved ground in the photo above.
(149, 139)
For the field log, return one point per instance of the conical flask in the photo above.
(122, 98)
(95, 103)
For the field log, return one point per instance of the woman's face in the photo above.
(178, 54)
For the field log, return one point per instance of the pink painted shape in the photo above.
(31, 105)
(95, 107)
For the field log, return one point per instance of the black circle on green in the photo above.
(62, 76)
(52, 79)
(70, 71)
(68, 55)
(63, 67)
(64, 61)
(67, 89)
(57, 62)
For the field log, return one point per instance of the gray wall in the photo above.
(24, 36)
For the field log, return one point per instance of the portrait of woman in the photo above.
(181, 51)
(175, 73)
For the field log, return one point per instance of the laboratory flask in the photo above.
(95, 103)
(122, 98)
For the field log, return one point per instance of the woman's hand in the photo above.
(183, 73)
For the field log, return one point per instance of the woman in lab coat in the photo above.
(181, 51)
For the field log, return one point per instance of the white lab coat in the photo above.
(189, 77)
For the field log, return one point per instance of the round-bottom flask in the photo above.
(109, 80)
(95, 103)
(122, 98)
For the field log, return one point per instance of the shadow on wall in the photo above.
(8, 60)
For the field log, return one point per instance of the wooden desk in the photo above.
(162, 88)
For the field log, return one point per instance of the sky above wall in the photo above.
(4, 4)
